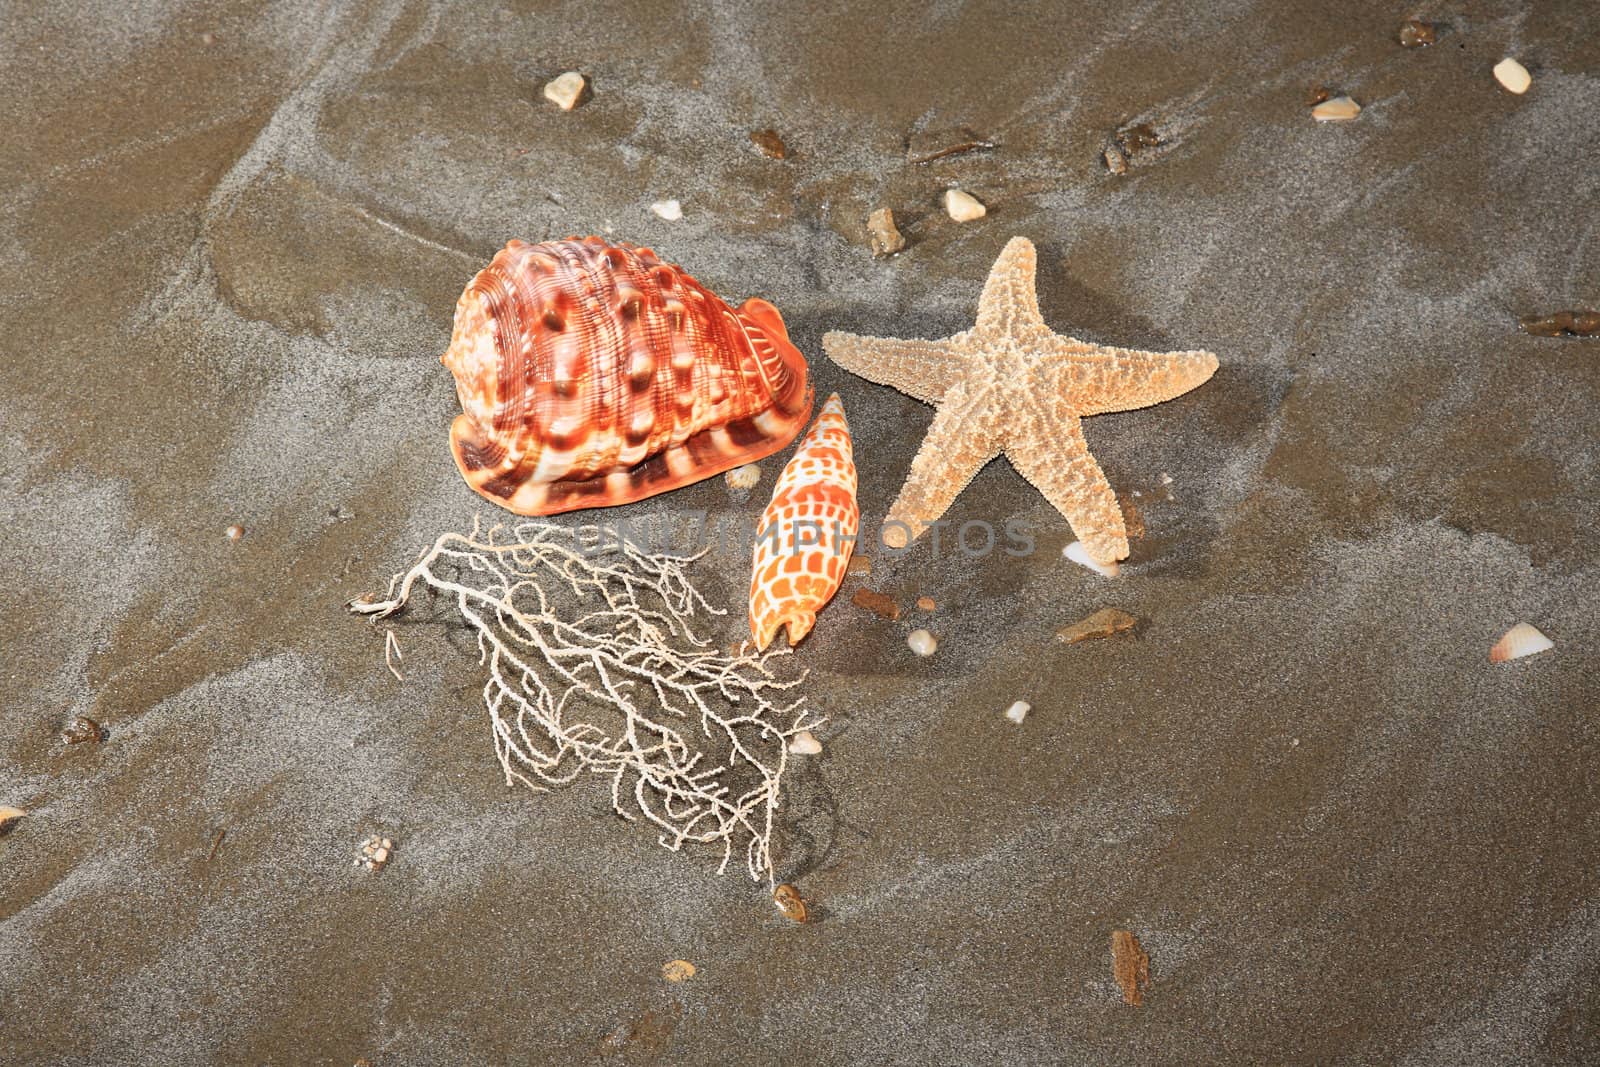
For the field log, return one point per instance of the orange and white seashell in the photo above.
(807, 533)
(1521, 640)
(592, 374)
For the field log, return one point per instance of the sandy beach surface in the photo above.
(232, 242)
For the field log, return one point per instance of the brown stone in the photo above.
(877, 603)
(1106, 622)
(1130, 966)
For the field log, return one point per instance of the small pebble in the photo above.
(926, 603)
(1019, 711)
(789, 901)
(858, 565)
(677, 970)
(1339, 109)
(208, 38)
(1414, 33)
(882, 234)
(770, 143)
(81, 731)
(805, 743)
(1512, 76)
(1116, 162)
(566, 91)
(963, 207)
(235, 532)
(670, 210)
(922, 643)
(374, 853)
(1317, 95)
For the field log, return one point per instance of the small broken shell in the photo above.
(883, 235)
(805, 743)
(1019, 711)
(743, 479)
(1521, 640)
(788, 900)
(1512, 76)
(9, 815)
(677, 970)
(922, 643)
(566, 91)
(1339, 109)
(1080, 555)
(963, 207)
(670, 210)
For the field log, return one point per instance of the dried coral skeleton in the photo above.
(594, 666)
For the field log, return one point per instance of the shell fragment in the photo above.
(1512, 76)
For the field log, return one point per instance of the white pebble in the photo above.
(670, 210)
(566, 90)
(963, 207)
(1339, 109)
(1512, 76)
(922, 642)
(381, 856)
(805, 743)
(1019, 711)
(1080, 555)
(387, 843)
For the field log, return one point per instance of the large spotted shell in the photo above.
(593, 374)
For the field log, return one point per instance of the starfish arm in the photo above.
(1099, 379)
(1059, 465)
(958, 445)
(1010, 300)
(923, 369)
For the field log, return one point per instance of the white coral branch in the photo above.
(613, 683)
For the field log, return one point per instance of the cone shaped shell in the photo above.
(807, 533)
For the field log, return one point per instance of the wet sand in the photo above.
(232, 246)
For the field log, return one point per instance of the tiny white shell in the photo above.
(1512, 76)
(670, 210)
(1080, 555)
(1339, 109)
(1018, 711)
(566, 90)
(922, 642)
(1521, 640)
(963, 207)
(743, 479)
(805, 743)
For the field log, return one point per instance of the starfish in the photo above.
(1009, 385)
